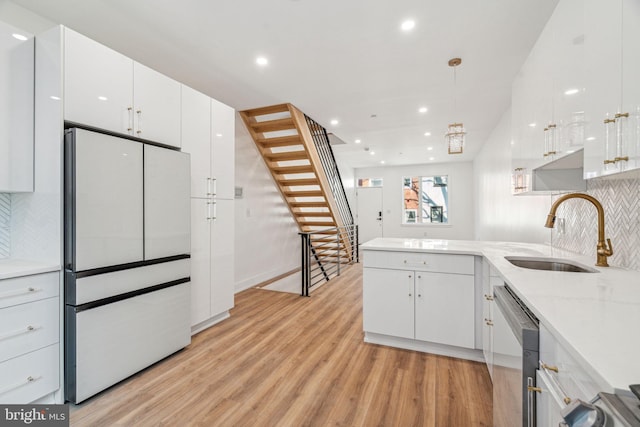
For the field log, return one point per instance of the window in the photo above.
(369, 182)
(425, 200)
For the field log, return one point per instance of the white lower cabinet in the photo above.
(548, 403)
(212, 260)
(430, 306)
(29, 337)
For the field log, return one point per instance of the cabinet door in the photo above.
(548, 403)
(16, 110)
(98, 84)
(156, 100)
(223, 147)
(222, 256)
(200, 261)
(602, 53)
(388, 298)
(630, 81)
(166, 203)
(196, 139)
(445, 309)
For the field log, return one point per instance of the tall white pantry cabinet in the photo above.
(208, 129)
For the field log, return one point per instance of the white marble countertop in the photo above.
(18, 267)
(595, 316)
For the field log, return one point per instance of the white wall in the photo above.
(461, 197)
(267, 241)
(498, 214)
(23, 18)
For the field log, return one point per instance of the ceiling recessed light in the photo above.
(373, 153)
(334, 122)
(427, 134)
(19, 37)
(102, 98)
(382, 162)
(571, 91)
(262, 61)
(219, 135)
(591, 138)
(408, 25)
(429, 148)
(532, 125)
(432, 158)
(422, 110)
(357, 141)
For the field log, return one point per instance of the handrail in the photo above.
(330, 167)
(323, 256)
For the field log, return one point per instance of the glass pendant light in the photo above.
(455, 131)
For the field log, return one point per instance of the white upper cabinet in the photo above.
(156, 103)
(612, 113)
(548, 92)
(16, 110)
(196, 139)
(107, 90)
(223, 149)
(98, 84)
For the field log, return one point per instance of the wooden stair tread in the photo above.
(286, 155)
(298, 181)
(313, 214)
(284, 170)
(262, 111)
(327, 224)
(273, 125)
(307, 193)
(280, 141)
(302, 204)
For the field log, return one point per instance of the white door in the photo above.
(166, 203)
(370, 215)
(223, 146)
(222, 254)
(108, 200)
(196, 139)
(156, 100)
(200, 261)
(98, 84)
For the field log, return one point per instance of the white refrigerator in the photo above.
(127, 264)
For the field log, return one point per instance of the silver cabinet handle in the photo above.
(139, 113)
(130, 117)
(10, 294)
(26, 330)
(28, 380)
(488, 297)
(211, 216)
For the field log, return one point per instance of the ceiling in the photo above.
(347, 60)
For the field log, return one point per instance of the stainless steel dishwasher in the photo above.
(515, 359)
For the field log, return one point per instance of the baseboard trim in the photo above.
(209, 322)
(425, 347)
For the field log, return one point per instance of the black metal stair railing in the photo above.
(324, 252)
(330, 167)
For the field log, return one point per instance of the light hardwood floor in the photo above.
(285, 360)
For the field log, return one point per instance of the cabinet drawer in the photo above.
(441, 263)
(20, 290)
(30, 377)
(28, 327)
(571, 376)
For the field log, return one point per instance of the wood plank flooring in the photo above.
(285, 360)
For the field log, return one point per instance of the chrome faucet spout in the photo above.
(604, 248)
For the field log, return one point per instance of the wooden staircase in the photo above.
(283, 138)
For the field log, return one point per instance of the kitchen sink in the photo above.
(550, 264)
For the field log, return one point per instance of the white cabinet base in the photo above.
(209, 322)
(425, 347)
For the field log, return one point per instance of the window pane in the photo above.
(425, 199)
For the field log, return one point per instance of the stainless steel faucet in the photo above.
(604, 249)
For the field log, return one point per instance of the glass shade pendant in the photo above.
(455, 131)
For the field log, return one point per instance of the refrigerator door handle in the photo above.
(209, 214)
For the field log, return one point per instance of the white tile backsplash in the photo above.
(620, 199)
(5, 222)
